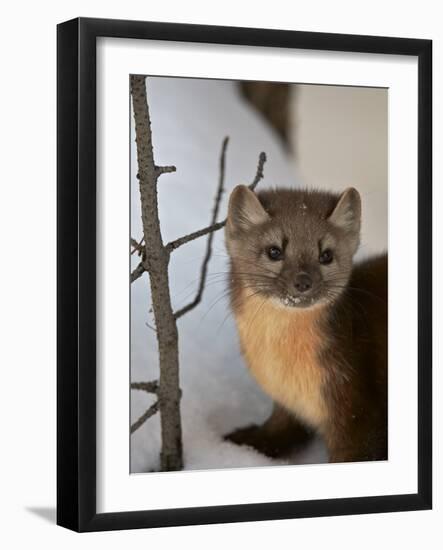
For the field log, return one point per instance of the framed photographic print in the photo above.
(244, 274)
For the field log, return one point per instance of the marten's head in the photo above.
(293, 246)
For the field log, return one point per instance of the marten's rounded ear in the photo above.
(245, 209)
(347, 212)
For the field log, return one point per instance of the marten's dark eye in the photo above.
(274, 253)
(326, 257)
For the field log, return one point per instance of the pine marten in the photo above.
(312, 324)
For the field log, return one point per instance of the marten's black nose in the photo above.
(303, 282)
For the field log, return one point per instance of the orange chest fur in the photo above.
(281, 349)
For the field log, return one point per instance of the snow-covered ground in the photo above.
(189, 121)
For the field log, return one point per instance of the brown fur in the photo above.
(325, 366)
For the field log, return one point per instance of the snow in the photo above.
(189, 119)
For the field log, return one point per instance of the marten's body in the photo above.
(320, 352)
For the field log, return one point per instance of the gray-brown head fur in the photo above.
(293, 246)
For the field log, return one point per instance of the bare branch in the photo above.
(137, 246)
(164, 170)
(150, 327)
(259, 173)
(138, 272)
(150, 412)
(208, 253)
(140, 249)
(150, 387)
(173, 245)
(159, 170)
(156, 261)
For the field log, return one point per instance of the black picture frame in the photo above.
(76, 279)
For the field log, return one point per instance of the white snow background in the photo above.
(190, 118)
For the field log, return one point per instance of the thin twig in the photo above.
(150, 387)
(159, 170)
(137, 246)
(259, 172)
(173, 245)
(138, 272)
(147, 414)
(208, 253)
(140, 249)
(150, 327)
(164, 169)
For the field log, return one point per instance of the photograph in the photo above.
(258, 273)
(221, 329)
(244, 274)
